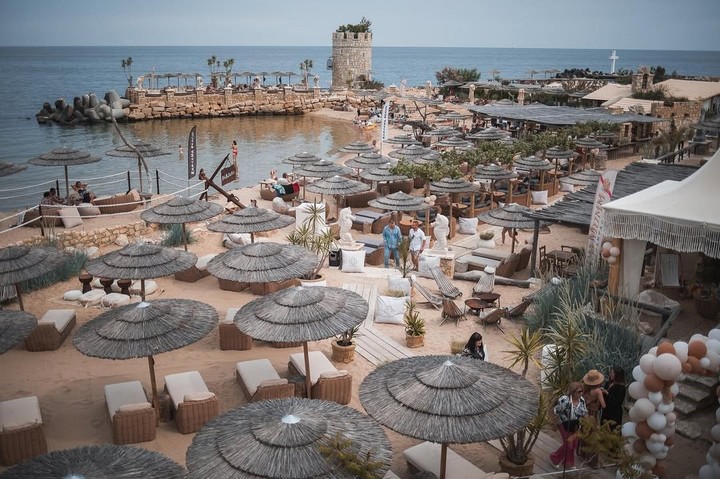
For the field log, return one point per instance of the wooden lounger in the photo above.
(435, 300)
(426, 457)
(446, 288)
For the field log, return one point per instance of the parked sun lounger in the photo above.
(194, 404)
(132, 416)
(426, 457)
(230, 336)
(21, 430)
(328, 382)
(435, 300)
(51, 330)
(446, 288)
(197, 272)
(259, 381)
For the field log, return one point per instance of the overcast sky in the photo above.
(604, 24)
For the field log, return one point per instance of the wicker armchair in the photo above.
(194, 403)
(330, 384)
(190, 416)
(508, 266)
(47, 336)
(117, 204)
(133, 418)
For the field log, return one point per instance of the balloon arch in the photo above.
(652, 418)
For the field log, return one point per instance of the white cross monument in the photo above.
(613, 57)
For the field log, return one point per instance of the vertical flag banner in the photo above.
(603, 194)
(384, 124)
(192, 153)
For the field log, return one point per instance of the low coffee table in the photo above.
(489, 298)
(475, 305)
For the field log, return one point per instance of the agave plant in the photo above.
(313, 235)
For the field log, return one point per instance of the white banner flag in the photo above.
(384, 125)
(603, 194)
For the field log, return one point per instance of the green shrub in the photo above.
(74, 263)
(174, 236)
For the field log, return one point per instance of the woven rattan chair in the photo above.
(446, 288)
(21, 430)
(191, 413)
(259, 381)
(51, 330)
(197, 271)
(132, 416)
(331, 384)
(451, 311)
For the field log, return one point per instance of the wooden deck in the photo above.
(372, 344)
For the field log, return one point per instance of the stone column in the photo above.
(316, 91)
(227, 96)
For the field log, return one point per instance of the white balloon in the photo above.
(655, 398)
(648, 459)
(667, 367)
(637, 390)
(661, 455)
(714, 360)
(635, 415)
(607, 245)
(671, 417)
(713, 345)
(614, 251)
(638, 374)
(698, 337)
(715, 433)
(714, 451)
(675, 389)
(657, 421)
(705, 362)
(629, 449)
(653, 351)
(644, 409)
(714, 334)
(668, 432)
(646, 363)
(706, 472)
(681, 350)
(611, 259)
(665, 408)
(628, 429)
(654, 446)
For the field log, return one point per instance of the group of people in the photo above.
(80, 194)
(392, 237)
(601, 403)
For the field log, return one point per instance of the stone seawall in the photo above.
(167, 104)
(86, 239)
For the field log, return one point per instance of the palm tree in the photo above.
(228, 64)
(305, 67)
(126, 64)
(212, 61)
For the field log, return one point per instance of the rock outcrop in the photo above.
(85, 109)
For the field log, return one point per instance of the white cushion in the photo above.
(230, 315)
(96, 283)
(72, 295)
(132, 407)
(340, 373)
(279, 205)
(70, 217)
(426, 457)
(353, 261)
(319, 363)
(120, 394)
(91, 298)
(180, 384)
(135, 195)
(203, 261)
(399, 284)
(389, 310)
(426, 262)
(88, 209)
(467, 226)
(150, 287)
(204, 396)
(59, 318)
(539, 197)
(566, 187)
(255, 372)
(239, 238)
(113, 300)
(20, 411)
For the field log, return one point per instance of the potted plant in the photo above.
(414, 326)
(343, 347)
(315, 236)
(486, 239)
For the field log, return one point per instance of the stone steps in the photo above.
(695, 398)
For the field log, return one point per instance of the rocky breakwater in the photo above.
(85, 109)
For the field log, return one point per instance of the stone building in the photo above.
(351, 59)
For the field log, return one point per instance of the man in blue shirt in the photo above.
(392, 238)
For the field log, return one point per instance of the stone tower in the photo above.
(352, 57)
(642, 81)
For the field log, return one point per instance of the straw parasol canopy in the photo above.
(302, 314)
(21, 263)
(589, 143)
(512, 216)
(448, 399)
(491, 171)
(7, 169)
(180, 210)
(64, 157)
(453, 116)
(147, 150)
(15, 326)
(442, 132)
(322, 169)
(367, 160)
(399, 201)
(283, 438)
(145, 329)
(452, 186)
(98, 462)
(408, 152)
(141, 261)
(582, 178)
(488, 134)
(358, 147)
(531, 163)
(558, 153)
(406, 139)
(302, 159)
(251, 220)
(381, 173)
(337, 186)
(263, 263)
(454, 142)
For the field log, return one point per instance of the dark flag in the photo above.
(229, 174)
(192, 153)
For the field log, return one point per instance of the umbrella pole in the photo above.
(452, 229)
(19, 296)
(184, 237)
(67, 183)
(308, 383)
(443, 460)
(140, 175)
(512, 243)
(427, 221)
(153, 385)
(472, 205)
(142, 289)
(252, 237)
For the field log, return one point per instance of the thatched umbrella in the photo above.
(409, 152)
(367, 161)
(321, 169)
(263, 263)
(401, 201)
(180, 210)
(442, 132)
(302, 314)
(147, 150)
(556, 153)
(15, 326)
(582, 178)
(495, 172)
(453, 186)
(488, 134)
(454, 116)
(381, 173)
(64, 157)
(251, 220)
(405, 139)
(301, 159)
(448, 399)
(337, 186)
(21, 263)
(10, 168)
(533, 163)
(512, 215)
(454, 142)
(98, 462)
(284, 438)
(141, 261)
(357, 147)
(588, 143)
(145, 329)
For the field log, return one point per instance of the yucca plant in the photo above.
(313, 235)
(525, 349)
(414, 324)
(406, 263)
(346, 338)
(174, 236)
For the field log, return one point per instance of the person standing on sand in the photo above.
(181, 155)
(392, 238)
(417, 243)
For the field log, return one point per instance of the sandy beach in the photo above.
(70, 385)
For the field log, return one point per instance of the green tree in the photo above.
(127, 68)
(305, 67)
(428, 171)
(362, 27)
(213, 64)
(228, 65)
(462, 75)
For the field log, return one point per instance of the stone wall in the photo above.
(99, 237)
(352, 56)
(684, 113)
(229, 103)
